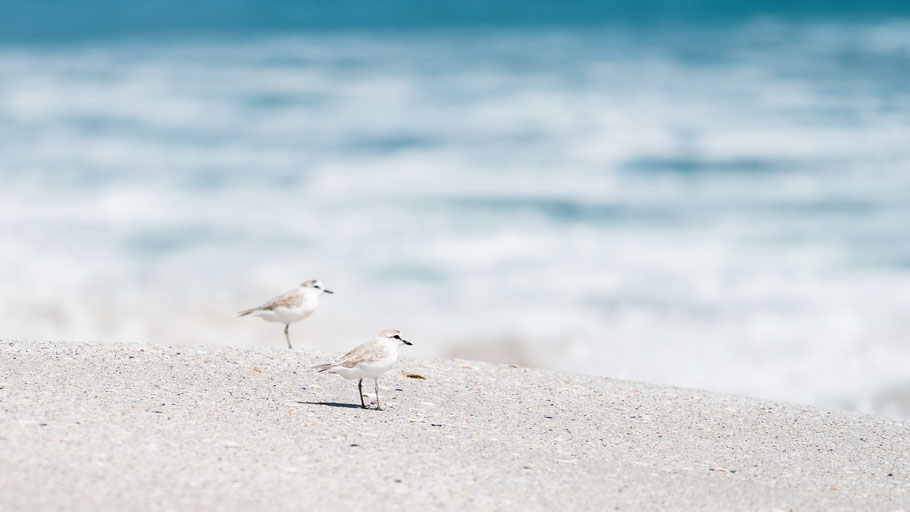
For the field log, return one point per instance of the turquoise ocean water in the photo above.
(670, 193)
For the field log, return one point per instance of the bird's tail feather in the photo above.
(322, 367)
(246, 312)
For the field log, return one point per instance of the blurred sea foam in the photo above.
(725, 208)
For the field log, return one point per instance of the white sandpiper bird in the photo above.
(368, 361)
(291, 307)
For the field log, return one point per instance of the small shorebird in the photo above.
(291, 307)
(368, 361)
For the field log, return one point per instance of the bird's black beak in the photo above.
(406, 342)
(329, 291)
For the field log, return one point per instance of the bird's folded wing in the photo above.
(369, 351)
(291, 299)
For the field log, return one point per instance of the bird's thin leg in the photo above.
(360, 392)
(286, 335)
(376, 384)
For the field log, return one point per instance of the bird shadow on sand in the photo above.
(332, 404)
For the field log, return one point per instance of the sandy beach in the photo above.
(115, 427)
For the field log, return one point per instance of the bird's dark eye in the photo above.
(397, 337)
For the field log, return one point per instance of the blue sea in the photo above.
(679, 193)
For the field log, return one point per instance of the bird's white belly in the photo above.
(366, 370)
(285, 315)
